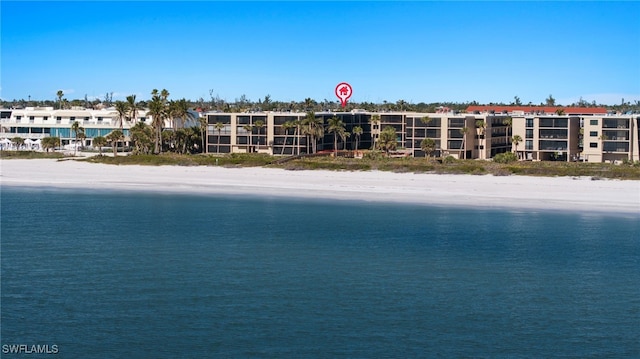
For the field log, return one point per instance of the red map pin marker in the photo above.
(343, 91)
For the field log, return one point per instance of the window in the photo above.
(593, 144)
(616, 147)
(528, 145)
(212, 119)
(529, 122)
(58, 119)
(615, 123)
(593, 122)
(45, 118)
(454, 144)
(31, 119)
(554, 122)
(529, 133)
(99, 119)
(456, 122)
(593, 133)
(86, 119)
(243, 120)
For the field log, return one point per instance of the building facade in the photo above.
(40, 122)
(481, 132)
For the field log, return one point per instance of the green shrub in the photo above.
(449, 159)
(30, 154)
(506, 157)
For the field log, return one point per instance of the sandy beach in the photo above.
(487, 191)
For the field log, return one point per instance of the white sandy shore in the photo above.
(560, 193)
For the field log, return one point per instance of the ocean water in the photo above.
(123, 275)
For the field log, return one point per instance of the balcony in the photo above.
(552, 145)
(615, 146)
(616, 135)
(614, 123)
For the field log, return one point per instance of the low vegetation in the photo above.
(629, 171)
(30, 154)
(232, 160)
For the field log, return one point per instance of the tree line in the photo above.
(266, 103)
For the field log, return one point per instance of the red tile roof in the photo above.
(541, 109)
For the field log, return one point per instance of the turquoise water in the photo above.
(115, 275)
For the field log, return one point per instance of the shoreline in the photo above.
(470, 191)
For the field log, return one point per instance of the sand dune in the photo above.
(540, 193)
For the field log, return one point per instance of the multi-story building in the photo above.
(481, 132)
(283, 133)
(35, 123)
(571, 133)
(39, 122)
(611, 138)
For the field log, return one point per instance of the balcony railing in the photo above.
(552, 145)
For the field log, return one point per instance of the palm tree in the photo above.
(259, 124)
(308, 104)
(133, 108)
(336, 126)
(164, 94)
(113, 138)
(122, 110)
(158, 110)
(426, 120)
(75, 127)
(516, 141)
(99, 142)
(50, 142)
(343, 137)
(286, 127)
(428, 145)
(143, 136)
(180, 110)
(249, 130)
(482, 127)
(388, 139)
(60, 94)
(193, 138)
(203, 128)
(507, 122)
(357, 132)
(374, 121)
(17, 141)
(313, 128)
(82, 136)
(464, 132)
(218, 127)
(181, 138)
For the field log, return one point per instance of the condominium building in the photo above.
(481, 132)
(282, 133)
(547, 133)
(611, 138)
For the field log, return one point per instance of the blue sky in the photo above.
(415, 51)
